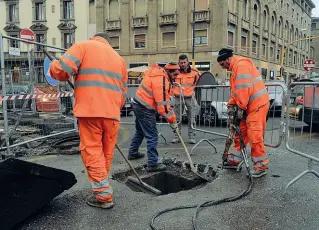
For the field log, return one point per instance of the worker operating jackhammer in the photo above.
(249, 94)
(153, 94)
(100, 91)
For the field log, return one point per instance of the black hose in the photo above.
(213, 202)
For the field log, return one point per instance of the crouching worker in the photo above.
(153, 94)
(100, 77)
(249, 94)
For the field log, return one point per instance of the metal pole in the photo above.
(193, 46)
(4, 103)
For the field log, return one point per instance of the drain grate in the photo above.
(178, 177)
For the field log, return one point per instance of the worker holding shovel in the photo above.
(100, 93)
(153, 94)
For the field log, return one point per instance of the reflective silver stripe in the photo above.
(143, 103)
(245, 85)
(98, 84)
(243, 76)
(168, 114)
(75, 60)
(256, 159)
(106, 192)
(147, 90)
(163, 103)
(101, 72)
(257, 79)
(66, 68)
(186, 84)
(258, 94)
(101, 184)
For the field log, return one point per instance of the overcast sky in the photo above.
(315, 12)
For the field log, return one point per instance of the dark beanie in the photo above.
(224, 53)
(104, 35)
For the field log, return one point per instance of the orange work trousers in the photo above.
(97, 141)
(253, 130)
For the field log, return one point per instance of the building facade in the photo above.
(314, 49)
(58, 23)
(146, 32)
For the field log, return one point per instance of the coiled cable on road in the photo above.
(212, 202)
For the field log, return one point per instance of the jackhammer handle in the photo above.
(51, 57)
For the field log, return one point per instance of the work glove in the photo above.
(174, 127)
(231, 110)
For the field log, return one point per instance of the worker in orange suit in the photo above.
(249, 94)
(100, 77)
(188, 79)
(153, 94)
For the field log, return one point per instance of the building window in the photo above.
(39, 11)
(201, 5)
(13, 13)
(200, 37)
(14, 43)
(68, 40)
(256, 13)
(230, 38)
(280, 29)
(255, 44)
(168, 6)
(232, 5)
(264, 47)
(140, 8)
(295, 58)
(40, 39)
(272, 50)
(265, 19)
(133, 65)
(244, 34)
(67, 9)
(273, 25)
(114, 7)
(168, 39)
(279, 52)
(245, 9)
(139, 41)
(115, 42)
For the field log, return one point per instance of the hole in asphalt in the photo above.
(168, 183)
(177, 177)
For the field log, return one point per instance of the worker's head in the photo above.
(104, 35)
(183, 61)
(172, 69)
(224, 57)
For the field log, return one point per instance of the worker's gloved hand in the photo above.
(241, 114)
(174, 127)
(231, 110)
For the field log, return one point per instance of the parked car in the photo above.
(276, 94)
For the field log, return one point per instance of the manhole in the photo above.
(178, 177)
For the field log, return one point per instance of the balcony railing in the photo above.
(113, 24)
(140, 22)
(168, 19)
(232, 18)
(245, 24)
(202, 16)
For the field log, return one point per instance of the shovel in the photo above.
(193, 169)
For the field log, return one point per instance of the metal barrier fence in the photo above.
(32, 110)
(302, 118)
(213, 101)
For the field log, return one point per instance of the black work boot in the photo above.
(136, 156)
(158, 168)
(92, 201)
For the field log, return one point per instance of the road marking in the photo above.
(41, 158)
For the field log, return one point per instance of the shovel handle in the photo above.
(186, 151)
(51, 57)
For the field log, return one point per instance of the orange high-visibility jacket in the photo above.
(154, 92)
(248, 90)
(188, 81)
(100, 77)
